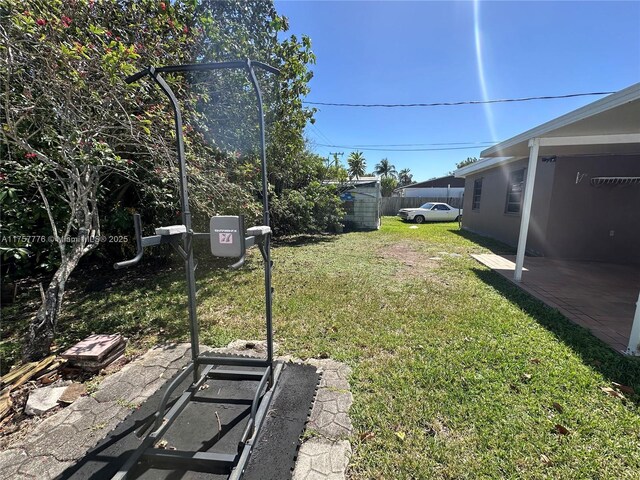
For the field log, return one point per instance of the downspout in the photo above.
(534, 146)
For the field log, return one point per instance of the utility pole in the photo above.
(335, 157)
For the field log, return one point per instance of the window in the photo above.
(441, 207)
(477, 193)
(514, 191)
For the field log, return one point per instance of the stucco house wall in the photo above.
(491, 218)
(599, 223)
(434, 192)
(568, 219)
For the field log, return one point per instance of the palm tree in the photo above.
(357, 164)
(385, 169)
(405, 177)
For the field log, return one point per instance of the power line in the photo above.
(353, 147)
(479, 144)
(450, 104)
(313, 125)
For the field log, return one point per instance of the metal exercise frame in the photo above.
(181, 238)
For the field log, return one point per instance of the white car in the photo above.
(431, 212)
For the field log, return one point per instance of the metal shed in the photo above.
(361, 202)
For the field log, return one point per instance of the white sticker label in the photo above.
(225, 238)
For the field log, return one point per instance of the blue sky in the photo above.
(422, 52)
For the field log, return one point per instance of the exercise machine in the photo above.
(228, 239)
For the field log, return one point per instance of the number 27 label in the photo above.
(225, 237)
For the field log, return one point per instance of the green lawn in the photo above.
(455, 371)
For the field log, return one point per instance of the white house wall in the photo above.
(435, 192)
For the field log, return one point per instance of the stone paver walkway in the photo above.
(325, 455)
(62, 439)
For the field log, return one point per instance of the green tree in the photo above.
(387, 185)
(83, 141)
(63, 117)
(468, 161)
(334, 171)
(311, 205)
(405, 177)
(385, 169)
(357, 164)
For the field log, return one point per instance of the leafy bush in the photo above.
(313, 209)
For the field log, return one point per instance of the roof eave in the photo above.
(482, 165)
(626, 95)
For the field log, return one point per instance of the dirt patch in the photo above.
(412, 263)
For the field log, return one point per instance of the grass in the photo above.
(455, 370)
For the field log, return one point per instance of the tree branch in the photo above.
(52, 221)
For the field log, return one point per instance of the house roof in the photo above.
(355, 182)
(442, 182)
(363, 180)
(615, 114)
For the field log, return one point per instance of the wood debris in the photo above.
(624, 388)
(611, 392)
(17, 377)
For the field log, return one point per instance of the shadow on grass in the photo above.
(593, 351)
(166, 289)
(304, 240)
(495, 246)
(96, 289)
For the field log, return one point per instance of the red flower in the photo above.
(66, 21)
(41, 22)
(185, 29)
(3, 176)
(109, 33)
(129, 161)
(163, 6)
(30, 155)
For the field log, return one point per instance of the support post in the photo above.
(634, 338)
(265, 221)
(189, 263)
(534, 146)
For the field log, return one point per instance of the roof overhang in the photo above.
(484, 164)
(609, 126)
(614, 114)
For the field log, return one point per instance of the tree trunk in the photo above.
(81, 189)
(42, 328)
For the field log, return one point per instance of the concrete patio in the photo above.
(596, 295)
(63, 439)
